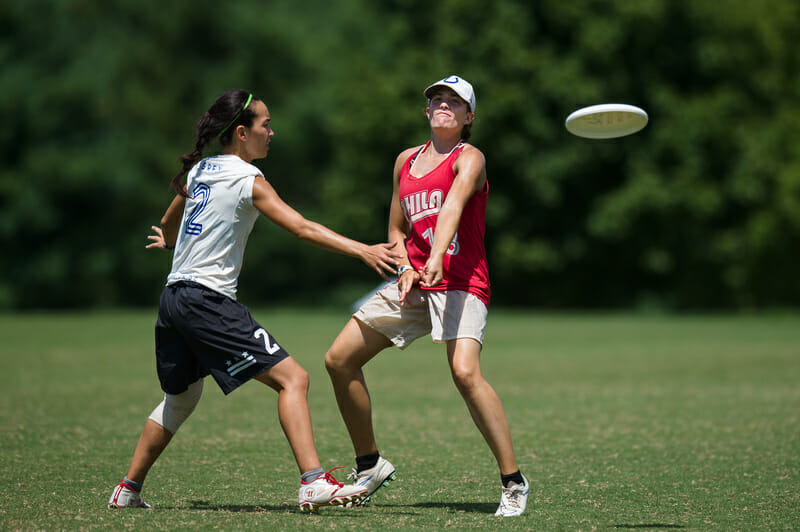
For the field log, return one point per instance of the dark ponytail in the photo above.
(225, 114)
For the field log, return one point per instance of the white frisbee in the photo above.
(606, 121)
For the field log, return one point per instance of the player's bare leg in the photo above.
(291, 382)
(356, 345)
(483, 403)
(487, 412)
(152, 442)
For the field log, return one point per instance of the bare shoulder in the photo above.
(403, 157)
(408, 152)
(472, 154)
(261, 188)
(470, 157)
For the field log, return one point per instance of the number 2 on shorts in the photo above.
(270, 345)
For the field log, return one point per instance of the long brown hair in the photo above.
(228, 111)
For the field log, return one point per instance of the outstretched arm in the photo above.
(379, 257)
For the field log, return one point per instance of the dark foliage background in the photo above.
(700, 210)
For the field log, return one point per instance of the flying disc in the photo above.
(606, 121)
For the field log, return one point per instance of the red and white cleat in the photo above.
(325, 490)
(126, 497)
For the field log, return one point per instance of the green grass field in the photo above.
(620, 421)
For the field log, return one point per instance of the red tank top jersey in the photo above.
(465, 265)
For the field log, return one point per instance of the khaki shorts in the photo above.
(444, 315)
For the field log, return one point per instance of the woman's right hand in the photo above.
(405, 283)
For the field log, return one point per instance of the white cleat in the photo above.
(373, 478)
(514, 499)
(124, 496)
(325, 490)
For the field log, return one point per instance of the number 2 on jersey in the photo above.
(200, 193)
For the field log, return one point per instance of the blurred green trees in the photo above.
(699, 210)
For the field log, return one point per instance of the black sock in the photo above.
(367, 461)
(135, 486)
(513, 477)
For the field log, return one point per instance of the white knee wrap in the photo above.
(174, 409)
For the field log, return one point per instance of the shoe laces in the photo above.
(330, 479)
(354, 475)
(512, 495)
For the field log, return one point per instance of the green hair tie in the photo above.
(235, 118)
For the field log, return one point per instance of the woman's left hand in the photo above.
(432, 273)
(382, 259)
(157, 240)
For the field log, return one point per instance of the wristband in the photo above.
(403, 269)
(168, 247)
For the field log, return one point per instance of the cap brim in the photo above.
(431, 87)
(446, 86)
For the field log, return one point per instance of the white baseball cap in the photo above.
(461, 87)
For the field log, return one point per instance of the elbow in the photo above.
(304, 232)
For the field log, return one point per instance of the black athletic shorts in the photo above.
(201, 332)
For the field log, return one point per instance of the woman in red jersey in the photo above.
(438, 212)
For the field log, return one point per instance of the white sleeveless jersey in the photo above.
(217, 221)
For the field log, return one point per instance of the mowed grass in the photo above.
(620, 422)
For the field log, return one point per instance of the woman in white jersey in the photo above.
(437, 217)
(201, 329)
